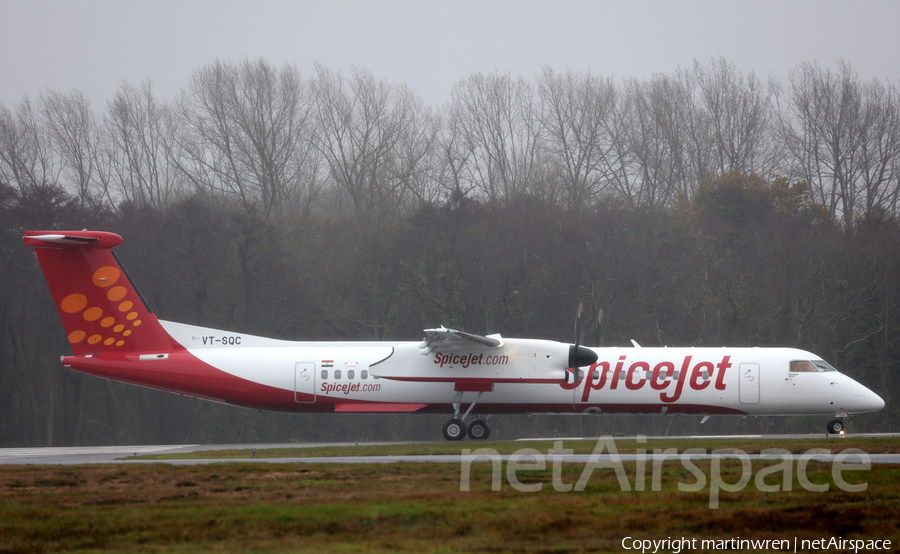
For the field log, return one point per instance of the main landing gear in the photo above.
(836, 427)
(455, 429)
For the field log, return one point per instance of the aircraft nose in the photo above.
(863, 399)
(875, 402)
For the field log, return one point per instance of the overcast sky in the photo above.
(95, 45)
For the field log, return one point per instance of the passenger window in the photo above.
(364, 374)
(803, 367)
(337, 373)
(324, 374)
(350, 374)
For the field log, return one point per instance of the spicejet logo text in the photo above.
(661, 377)
(465, 360)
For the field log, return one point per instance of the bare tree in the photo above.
(738, 112)
(376, 139)
(454, 159)
(415, 152)
(578, 114)
(816, 129)
(73, 130)
(27, 158)
(248, 134)
(656, 141)
(495, 118)
(880, 147)
(140, 136)
(843, 137)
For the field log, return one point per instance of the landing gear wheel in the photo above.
(479, 430)
(835, 426)
(454, 430)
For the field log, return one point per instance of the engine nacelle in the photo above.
(514, 361)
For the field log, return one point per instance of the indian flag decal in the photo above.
(327, 363)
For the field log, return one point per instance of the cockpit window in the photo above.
(815, 366)
(803, 367)
(822, 365)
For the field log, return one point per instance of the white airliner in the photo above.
(114, 335)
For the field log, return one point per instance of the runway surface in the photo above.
(127, 454)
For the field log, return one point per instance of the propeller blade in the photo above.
(579, 356)
(579, 331)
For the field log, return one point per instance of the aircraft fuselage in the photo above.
(519, 377)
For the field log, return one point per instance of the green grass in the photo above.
(414, 507)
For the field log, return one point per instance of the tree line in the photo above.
(335, 144)
(700, 208)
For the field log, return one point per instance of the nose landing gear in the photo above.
(836, 427)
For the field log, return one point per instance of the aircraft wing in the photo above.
(448, 337)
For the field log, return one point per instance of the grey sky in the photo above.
(95, 45)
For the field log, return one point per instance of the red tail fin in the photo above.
(100, 308)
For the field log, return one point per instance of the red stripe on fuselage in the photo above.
(184, 373)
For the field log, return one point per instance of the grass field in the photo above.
(401, 507)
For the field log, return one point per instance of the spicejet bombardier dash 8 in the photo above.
(113, 334)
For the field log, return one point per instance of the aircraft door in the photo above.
(305, 382)
(749, 384)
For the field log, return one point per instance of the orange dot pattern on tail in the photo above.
(110, 323)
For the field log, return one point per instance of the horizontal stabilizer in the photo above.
(97, 239)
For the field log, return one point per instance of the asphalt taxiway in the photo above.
(129, 454)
